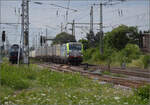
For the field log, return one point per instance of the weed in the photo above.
(113, 74)
(144, 92)
(107, 73)
(16, 77)
(146, 61)
(58, 88)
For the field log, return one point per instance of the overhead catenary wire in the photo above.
(66, 1)
(60, 0)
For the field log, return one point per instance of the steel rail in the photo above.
(109, 79)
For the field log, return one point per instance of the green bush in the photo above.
(88, 53)
(13, 80)
(146, 61)
(93, 54)
(106, 73)
(16, 77)
(129, 53)
(97, 56)
(143, 92)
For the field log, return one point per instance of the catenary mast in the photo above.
(25, 30)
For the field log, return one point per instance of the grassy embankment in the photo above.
(33, 85)
(92, 56)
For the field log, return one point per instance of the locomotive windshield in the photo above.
(14, 48)
(77, 47)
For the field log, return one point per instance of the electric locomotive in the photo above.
(74, 52)
(13, 53)
(69, 53)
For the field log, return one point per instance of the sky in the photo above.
(45, 15)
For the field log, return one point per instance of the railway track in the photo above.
(129, 82)
(128, 71)
(131, 72)
(143, 73)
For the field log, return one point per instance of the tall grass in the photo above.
(58, 88)
(16, 77)
(146, 61)
(144, 92)
(56, 79)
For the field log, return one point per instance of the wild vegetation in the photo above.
(33, 85)
(120, 49)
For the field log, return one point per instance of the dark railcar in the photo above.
(13, 54)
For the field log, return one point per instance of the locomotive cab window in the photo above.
(75, 47)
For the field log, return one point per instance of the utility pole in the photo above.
(61, 27)
(101, 29)
(101, 24)
(73, 28)
(25, 30)
(91, 19)
(46, 41)
(0, 38)
(149, 16)
(36, 41)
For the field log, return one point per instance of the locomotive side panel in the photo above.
(54, 51)
(32, 54)
(49, 51)
(58, 50)
(63, 52)
(42, 51)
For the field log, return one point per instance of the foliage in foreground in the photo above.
(16, 77)
(144, 92)
(48, 87)
(146, 61)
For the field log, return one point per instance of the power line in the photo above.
(53, 0)
(67, 0)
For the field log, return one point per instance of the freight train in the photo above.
(69, 53)
(13, 54)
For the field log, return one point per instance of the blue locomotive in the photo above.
(13, 54)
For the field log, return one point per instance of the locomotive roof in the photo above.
(74, 43)
(14, 45)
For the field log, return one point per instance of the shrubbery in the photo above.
(129, 53)
(146, 61)
(126, 55)
(89, 53)
(144, 92)
(16, 77)
(120, 47)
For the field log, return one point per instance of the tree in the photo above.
(85, 43)
(130, 52)
(63, 37)
(108, 55)
(119, 37)
(133, 35)
(91, 39)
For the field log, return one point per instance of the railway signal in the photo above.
(3, 36)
